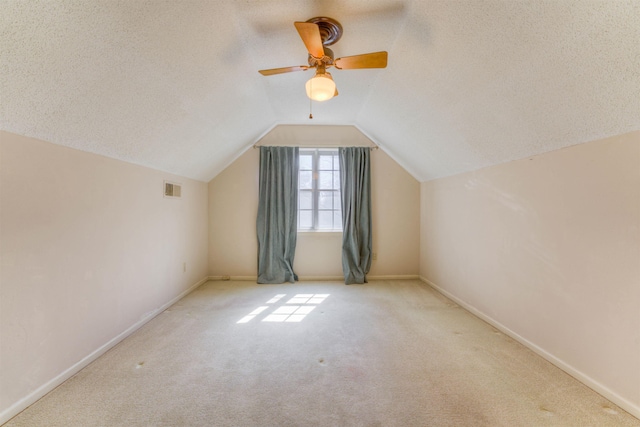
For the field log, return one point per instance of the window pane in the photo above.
(325, 200)
(306, 200)
(325, 162)
(306, 162)
(305, 180)
(305, 219)
(319, 190)
(325, 181)
(336, 180)
(337, 220)
(325, 220)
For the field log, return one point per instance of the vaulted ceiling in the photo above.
(174, 85)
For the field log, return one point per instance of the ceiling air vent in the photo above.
(172, 189)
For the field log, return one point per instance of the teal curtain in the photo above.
(355, 186)
(277, 224)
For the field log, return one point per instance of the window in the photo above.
(319, 190)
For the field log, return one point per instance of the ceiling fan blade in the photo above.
(366, 60)
(273, 71)
(310, 34)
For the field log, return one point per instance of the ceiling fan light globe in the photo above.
(320, 88)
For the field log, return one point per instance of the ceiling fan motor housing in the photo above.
(327, 59)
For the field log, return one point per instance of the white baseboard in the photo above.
(232, 278)
(628, 406)
(321, 278)
(318, 278)
(395, 277)
(37, 394)
(255, 278)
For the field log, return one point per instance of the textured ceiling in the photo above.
(174, 84)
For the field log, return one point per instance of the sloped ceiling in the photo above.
(173, 85)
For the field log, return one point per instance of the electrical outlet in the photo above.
(374, 256)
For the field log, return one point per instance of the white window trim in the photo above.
(326, 232)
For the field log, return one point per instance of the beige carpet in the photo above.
(388, 353)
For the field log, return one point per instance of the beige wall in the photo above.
(89, 248)
(549, 248)
(233, 204)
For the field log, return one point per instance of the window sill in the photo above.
(320, 232)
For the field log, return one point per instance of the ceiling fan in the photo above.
(318, 33)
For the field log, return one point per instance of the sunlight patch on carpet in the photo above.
(308, 299)
(253, 314)
(276, 298)
(288, 313)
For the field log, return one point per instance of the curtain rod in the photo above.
(375, 147)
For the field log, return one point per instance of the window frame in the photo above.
(315, 190)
